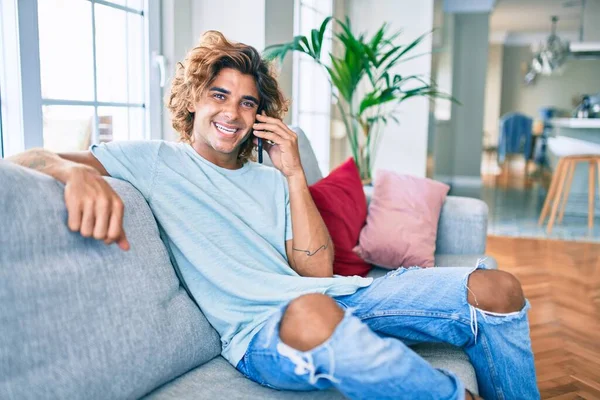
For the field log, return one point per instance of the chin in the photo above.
(226, 148)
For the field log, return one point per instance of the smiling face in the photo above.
(223, 117)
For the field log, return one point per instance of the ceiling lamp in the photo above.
(550, 56)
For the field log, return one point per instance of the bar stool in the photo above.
(571, 152)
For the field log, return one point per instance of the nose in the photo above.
(230, 110)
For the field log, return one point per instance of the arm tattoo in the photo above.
(37, 161)
(308, 253)
(37, 164)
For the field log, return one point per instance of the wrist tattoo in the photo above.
(309, 254)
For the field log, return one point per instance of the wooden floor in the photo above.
(562, 281)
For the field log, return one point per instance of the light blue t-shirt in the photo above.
(227, 231)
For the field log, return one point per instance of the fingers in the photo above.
(267, 135)
(272, 128)
(88, 219)
(75, 211)
(115, 229)
(123, 243)
(103, 211)
(275, 134)
(274, 125)
(279, 129)
(95, 210)
(270, 120)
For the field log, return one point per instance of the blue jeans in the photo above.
(367, 356)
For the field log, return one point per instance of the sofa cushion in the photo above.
(81, 319)
(447, 260)
(465, 260)
(217, 379)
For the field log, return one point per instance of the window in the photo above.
(92, 72)
(90, 79)
(312, 91)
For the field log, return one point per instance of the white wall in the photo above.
(591, 32)
(403, 147)
(561, 90)
(241, 21)
(493, 92)
(279, 28)
(443, 65)
(177, 39)
(471, 31)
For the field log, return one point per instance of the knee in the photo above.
(309, 320)
(495, 291)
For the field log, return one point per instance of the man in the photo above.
(256, 255)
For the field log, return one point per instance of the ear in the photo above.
(190, 107)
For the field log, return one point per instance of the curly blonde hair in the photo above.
(200, 68)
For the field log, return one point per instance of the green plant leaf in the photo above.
(377, 98)
(321, 35)
(275, 51)
(387, 55)
(316, 42)
(406, 49)
(299, 43)
(341, 78)
(376, 40)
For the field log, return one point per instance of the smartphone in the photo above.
(260, 147)
(260, 151)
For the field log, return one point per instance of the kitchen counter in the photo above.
(576, 123)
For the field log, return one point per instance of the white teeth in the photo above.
(225, 130)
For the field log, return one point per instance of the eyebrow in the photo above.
(225, 91)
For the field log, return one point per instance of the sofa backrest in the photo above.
(82, 320)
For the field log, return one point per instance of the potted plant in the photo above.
(364, 111)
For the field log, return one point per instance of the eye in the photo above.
(249, 104)
(219, 96)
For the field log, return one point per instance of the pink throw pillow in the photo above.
(402, 220)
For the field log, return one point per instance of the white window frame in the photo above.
(10, 80)
(21, 94)
(322, 153)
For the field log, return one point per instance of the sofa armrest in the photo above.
(462, 228)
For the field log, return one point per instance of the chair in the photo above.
(515, 137)
(571, 152)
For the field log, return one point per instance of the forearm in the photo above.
(312, 246)
(46, 162)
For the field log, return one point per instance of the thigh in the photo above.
(416, 305)
(265, 364)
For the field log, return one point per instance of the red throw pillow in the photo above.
(343, 206)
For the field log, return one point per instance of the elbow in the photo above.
(316, 272)
(325, 272)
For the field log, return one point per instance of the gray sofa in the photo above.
(82, 320)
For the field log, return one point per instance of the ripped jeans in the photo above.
(367, 356)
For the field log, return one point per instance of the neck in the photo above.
(227, 161)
